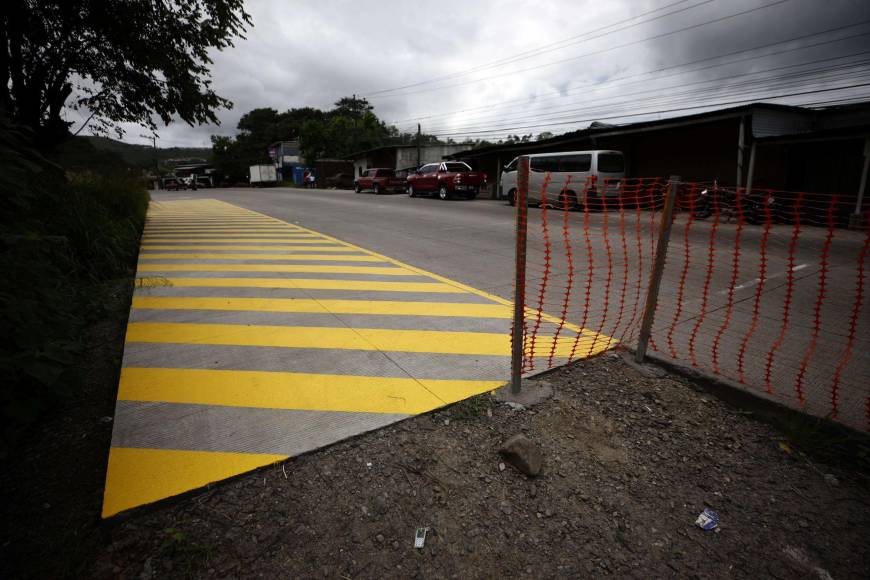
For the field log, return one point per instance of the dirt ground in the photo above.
(630, 462)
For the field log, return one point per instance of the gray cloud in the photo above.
(311, 54)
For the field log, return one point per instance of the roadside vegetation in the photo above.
(72, 209)
(63, 235)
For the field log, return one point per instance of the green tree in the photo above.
(352, 107)
(349, 127)
(117, 61)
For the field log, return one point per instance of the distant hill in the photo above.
(143, 155)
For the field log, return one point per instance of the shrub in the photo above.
(59, 236)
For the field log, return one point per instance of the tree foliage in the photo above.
(118, 61)
(349, 127)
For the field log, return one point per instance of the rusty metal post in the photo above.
(520, 274)
(652, 295)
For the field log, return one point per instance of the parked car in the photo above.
(446, 180)
(340, 181)
(379, 180)
(571, 172)
(177, 182)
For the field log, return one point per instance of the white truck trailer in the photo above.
(263, 175)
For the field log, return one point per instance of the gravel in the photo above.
(629, 463)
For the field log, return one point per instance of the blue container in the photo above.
(298, 174)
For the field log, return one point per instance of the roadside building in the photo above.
(401, 156)
(285, 157)
(761, 144)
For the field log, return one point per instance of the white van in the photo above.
(607, 167)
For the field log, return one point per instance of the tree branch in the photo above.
(85, 124)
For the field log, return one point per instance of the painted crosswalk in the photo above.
(251, 340)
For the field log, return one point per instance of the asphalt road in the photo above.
(472, 242)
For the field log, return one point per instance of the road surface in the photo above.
(472, 242)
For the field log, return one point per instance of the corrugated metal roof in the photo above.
(772, 119)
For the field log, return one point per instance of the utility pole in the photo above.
(153, 139)
(418, 145)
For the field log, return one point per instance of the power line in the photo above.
(810, 104)
(602, 112)
(596, 52)
(629, 98)
(795, 74)
(659, 112)
(676, 73)
(548, 47)
(570, 121)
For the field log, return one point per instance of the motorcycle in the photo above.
(753, 208)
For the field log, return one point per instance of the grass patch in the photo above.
(187, 556)
(472, 408)
(61, 236)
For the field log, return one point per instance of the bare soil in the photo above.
(630, 462)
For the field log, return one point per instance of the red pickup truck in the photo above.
(447, 179)
(378, 180)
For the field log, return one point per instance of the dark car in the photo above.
(379, 180)
(339, 181)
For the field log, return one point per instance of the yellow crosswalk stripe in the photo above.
(220, 232)
(288, 249)
(215, 237)
(235, 240)
(138, 476)
(287, 268)
(387, 340)
(313, 284)
(382, 307)
(212, 256)
(287, 390)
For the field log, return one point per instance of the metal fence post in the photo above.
(655, 280)
(520, 274)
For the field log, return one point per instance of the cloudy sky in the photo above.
(485, 69)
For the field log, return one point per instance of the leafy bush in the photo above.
(59, 236)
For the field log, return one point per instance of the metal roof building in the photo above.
(761, 144)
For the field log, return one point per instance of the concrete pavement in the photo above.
(251, 340)
(473, 242)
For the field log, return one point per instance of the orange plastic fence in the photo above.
(763, 287)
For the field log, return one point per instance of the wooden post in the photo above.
(520, 275)
(652, 295)
(740, 147)
(862, 187)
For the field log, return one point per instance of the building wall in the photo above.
(815, 166)
(407, 157)
(695, 153)
(360, 164)
(705, 151)
(404, 157)
(328, 167)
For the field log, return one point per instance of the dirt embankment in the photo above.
(630, 462)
